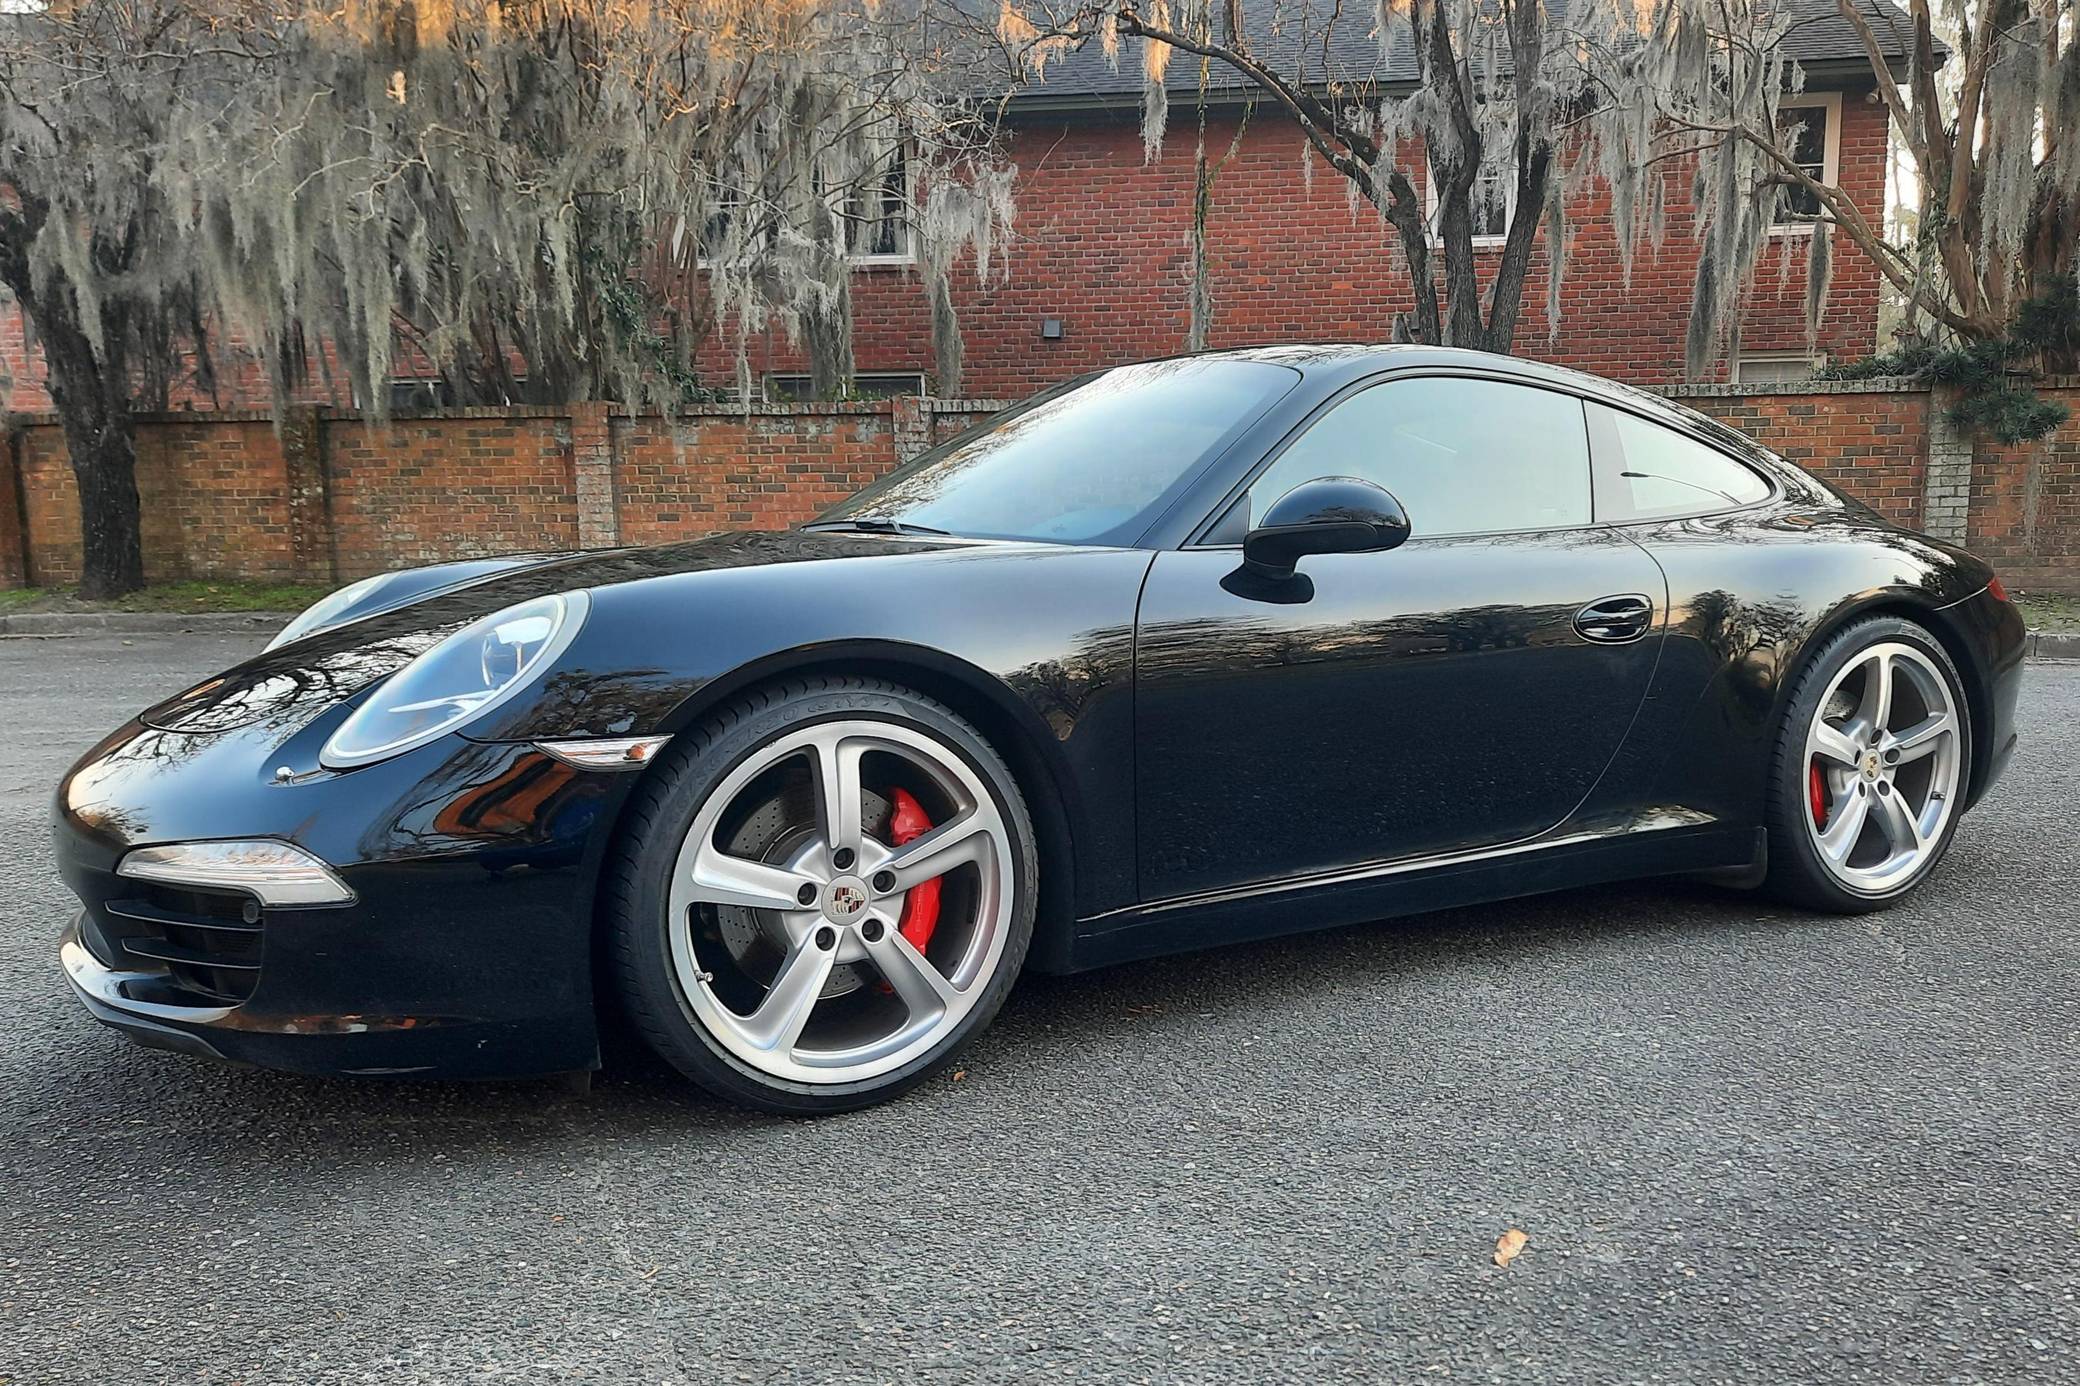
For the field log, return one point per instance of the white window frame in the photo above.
(1509, 209)
(1830, 149)
(1810, 360)
(907, 255)
(901, 259)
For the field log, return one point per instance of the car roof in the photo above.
(1335, 363)
(1353, 360)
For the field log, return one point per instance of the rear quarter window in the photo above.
(1646, 471)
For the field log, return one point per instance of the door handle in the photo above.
(1615, 620)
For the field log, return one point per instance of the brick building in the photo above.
(1098, 268)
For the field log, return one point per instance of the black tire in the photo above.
(637, 884)
(1797, 874)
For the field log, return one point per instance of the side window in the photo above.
(1462, 456)
(1647, 472)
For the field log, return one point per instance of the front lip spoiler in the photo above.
(100, 990)
(101, 987)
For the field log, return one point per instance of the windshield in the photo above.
(1089, 462)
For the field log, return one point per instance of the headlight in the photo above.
(458, 680)
(326, 610)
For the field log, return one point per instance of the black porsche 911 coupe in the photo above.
(1172, 655)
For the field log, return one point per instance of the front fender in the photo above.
(1034, 643)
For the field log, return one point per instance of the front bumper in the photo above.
(466, 952)
(326, 1045)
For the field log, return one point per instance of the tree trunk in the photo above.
(1534, 167)
(827, 325)
(1200, 329)
(1405, 211)
(92, 398)
(949, 350)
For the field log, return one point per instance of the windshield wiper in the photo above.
(878, 524)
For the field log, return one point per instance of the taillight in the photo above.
(1997, 588)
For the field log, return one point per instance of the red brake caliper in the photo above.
(921, 901)
(1816, 787)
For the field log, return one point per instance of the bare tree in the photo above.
(1994, 149)
(534, 200)
(557, 199)
(88, 94)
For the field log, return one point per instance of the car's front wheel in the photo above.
(821, 895)
(1871, 768)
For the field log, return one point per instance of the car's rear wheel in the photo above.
(822, 895)
(1871, 769)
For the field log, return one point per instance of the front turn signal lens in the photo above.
(279, 874)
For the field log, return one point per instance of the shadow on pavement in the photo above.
(240, 1119)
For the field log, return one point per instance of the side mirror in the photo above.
(1331, 514)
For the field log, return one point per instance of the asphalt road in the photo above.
(1747, 1144)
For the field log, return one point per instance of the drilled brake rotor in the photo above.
(776, 832)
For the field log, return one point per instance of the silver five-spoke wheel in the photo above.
(787, 911)
(1883, 756)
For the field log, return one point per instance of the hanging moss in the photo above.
(557, 199)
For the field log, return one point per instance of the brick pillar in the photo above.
(592, 475)
(310, 496)
(1946, 498)
(912, 427)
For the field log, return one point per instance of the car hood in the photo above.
(292, 684)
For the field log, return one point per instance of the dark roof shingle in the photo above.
(1330, 42)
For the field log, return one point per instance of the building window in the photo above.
(877, 214)
(1493, 199)
(1812, 133)
(865, 385)
(410, 394)
(873, 216)
(1773, 367)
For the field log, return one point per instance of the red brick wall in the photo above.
(1869, 439)
(329, 498)
(425, 489)
(680, 477)
(224, 498)
(213, 493)
(2025, 513)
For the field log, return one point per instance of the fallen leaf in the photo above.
(1508, 1245)
(960, 1074)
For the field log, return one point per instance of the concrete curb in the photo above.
(56, 623)
(2054, 644)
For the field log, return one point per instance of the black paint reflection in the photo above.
(1427, 699)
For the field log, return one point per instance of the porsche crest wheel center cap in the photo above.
(844, 899)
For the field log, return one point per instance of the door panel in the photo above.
(1435, 698)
